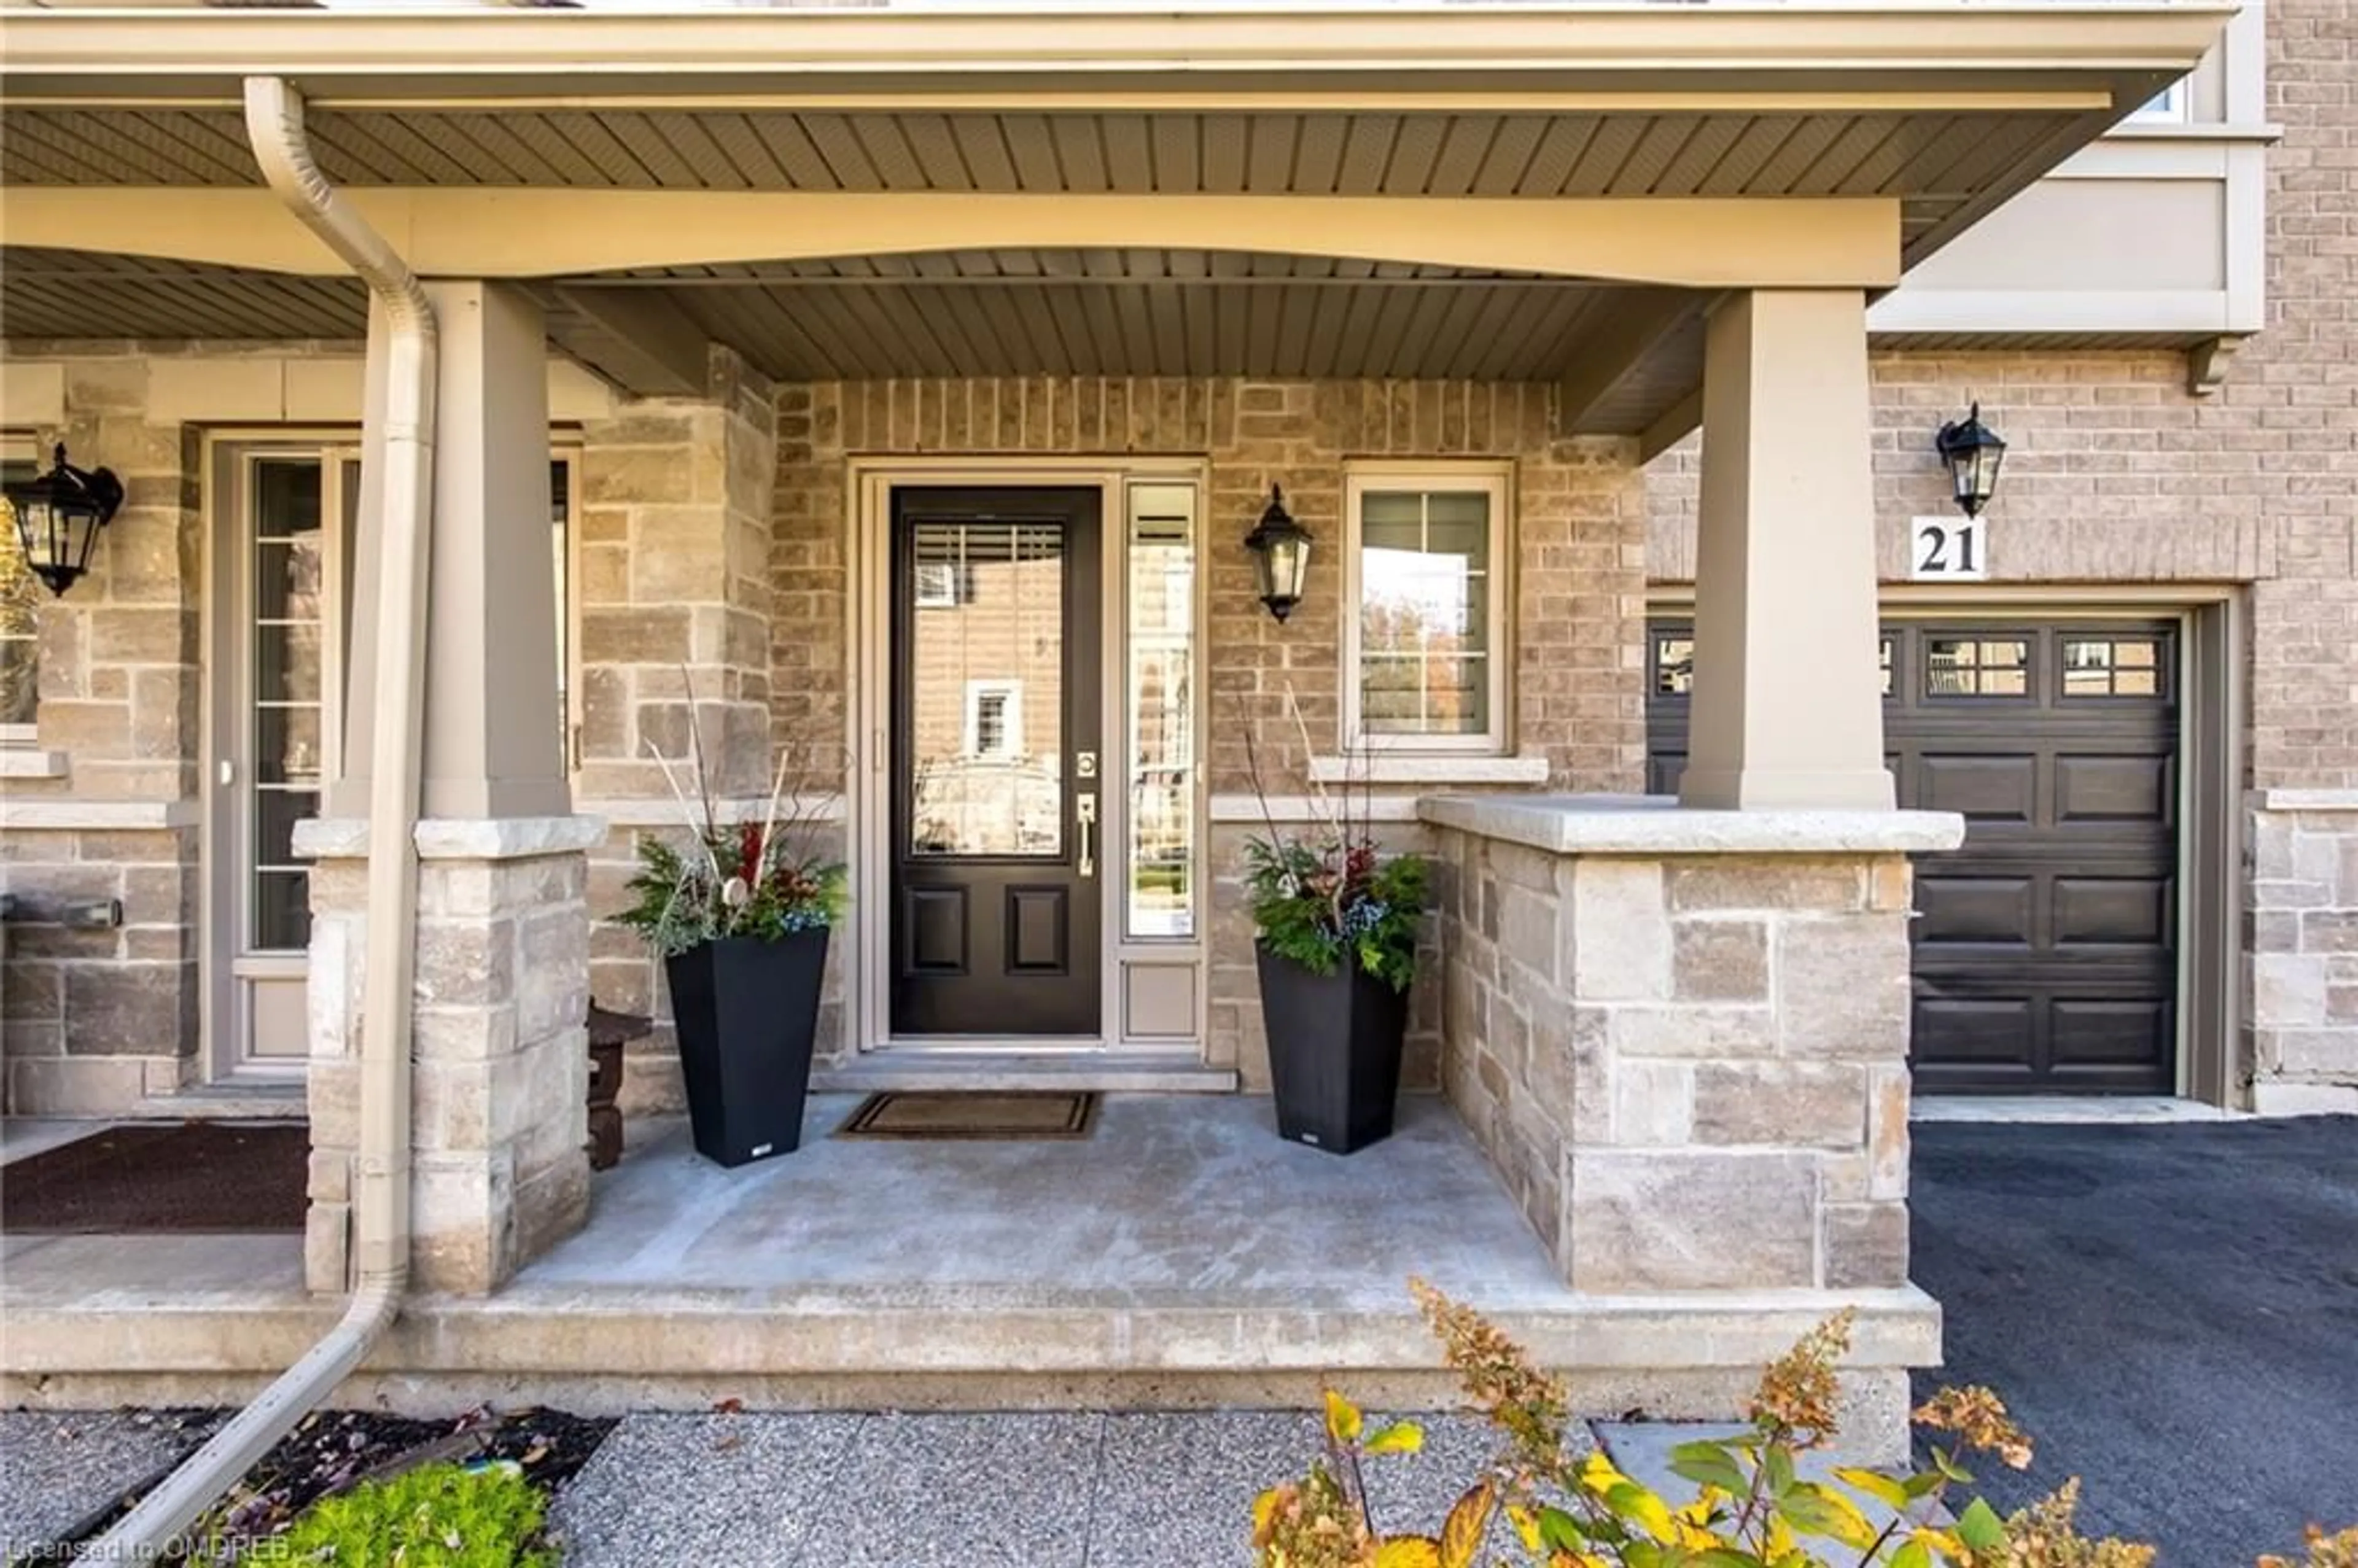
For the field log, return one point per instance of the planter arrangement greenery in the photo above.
(1335, 924)
(1567, 1506)
(740, 913)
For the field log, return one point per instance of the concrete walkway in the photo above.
(2172, 1311)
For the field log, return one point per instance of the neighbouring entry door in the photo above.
(997, 846)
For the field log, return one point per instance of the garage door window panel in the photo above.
(1976, 665)
(2111, 666)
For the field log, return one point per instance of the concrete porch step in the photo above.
(79, 1339)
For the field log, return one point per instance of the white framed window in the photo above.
(994, 719)
(2166, 107)
(1425, 636)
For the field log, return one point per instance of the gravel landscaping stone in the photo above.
(57, 1468)
(696, 1489)
(1176, 1490)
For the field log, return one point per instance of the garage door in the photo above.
(2046, 948)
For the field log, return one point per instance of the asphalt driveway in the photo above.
(2172, 1311)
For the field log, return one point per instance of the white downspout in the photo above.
(273, 123)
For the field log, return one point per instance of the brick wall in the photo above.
(1578, 514)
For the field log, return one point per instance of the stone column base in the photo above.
(500, 1170)
(1683, 1035)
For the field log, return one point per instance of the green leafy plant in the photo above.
(1329, 893)
(765, 880)
(1752, 1509)
(436, 1516)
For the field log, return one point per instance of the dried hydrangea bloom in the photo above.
(1980, 1418)
(1798, 1391)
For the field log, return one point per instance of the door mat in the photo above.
(944, 1113)
(159, 1178)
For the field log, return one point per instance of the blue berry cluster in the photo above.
(1364, 917)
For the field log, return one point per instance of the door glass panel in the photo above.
(985, 617)
(1162, 711)
(561, 512)
(288, 688)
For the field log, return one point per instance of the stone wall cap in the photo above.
(1658, 825)
(2306, 799)
(23, 814)
(456, 839)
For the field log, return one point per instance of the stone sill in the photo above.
(2306, 799)
(456, 839)
(1657, 825)
(664, 811)
(95, 815)
(1298, 809)
(1429, 768)
(24, 762)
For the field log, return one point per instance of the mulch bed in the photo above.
(335, 1450)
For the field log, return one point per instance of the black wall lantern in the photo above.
(1973, 451)
(58, 514)
(1281, 548)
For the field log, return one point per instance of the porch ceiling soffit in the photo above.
(1945, 106)
(1150, 313)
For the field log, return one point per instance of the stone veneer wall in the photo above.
(2303, 920)
(676, 602)
(103, 804)
(1690, 1070)
(501, 1059)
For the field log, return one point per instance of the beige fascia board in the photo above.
(2094, 309)
(477, 232)
(491, 52)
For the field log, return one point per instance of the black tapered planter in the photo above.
(1334, 1052)
(746, 1013)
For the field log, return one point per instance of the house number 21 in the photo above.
(1947, 549)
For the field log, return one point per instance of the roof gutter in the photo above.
(273, 118)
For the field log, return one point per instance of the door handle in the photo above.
(1084, 806)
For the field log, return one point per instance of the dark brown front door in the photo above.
(2046, 948)
(997, 850)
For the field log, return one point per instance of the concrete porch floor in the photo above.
(1182, 1257)
(1171, 1199)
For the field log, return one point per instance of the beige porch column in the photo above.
(503, 952)
(1788, 706)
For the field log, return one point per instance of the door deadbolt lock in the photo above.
(1084, 764)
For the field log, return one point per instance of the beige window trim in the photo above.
(1493, 481)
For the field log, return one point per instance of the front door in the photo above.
(997, 851)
